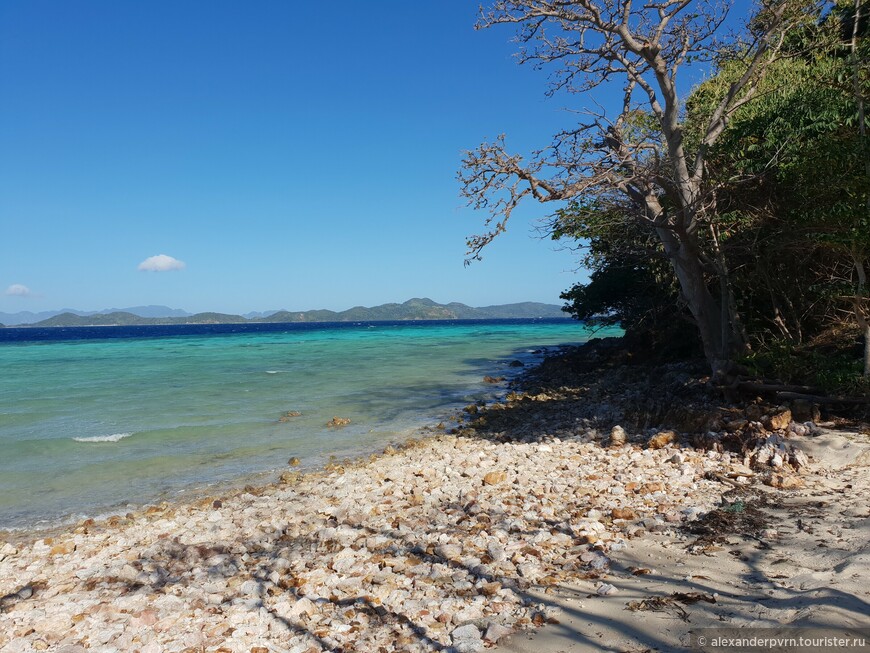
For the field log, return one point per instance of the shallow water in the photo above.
(120, 417)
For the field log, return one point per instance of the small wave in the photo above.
(272, 371)
(104, 438)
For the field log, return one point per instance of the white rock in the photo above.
(467, 639)
(448, 551)
(617, 436)
(250, 587)
(529, 570)
(496, 632)
(496, 551)
(619, 545)
(693, 513)
(303, 606)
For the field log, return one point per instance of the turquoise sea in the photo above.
(95, 420)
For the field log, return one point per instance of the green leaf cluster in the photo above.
(789, 195)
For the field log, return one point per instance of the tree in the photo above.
(634, 160)
(792, 172)
(631, 283)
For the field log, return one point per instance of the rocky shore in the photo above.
(456, 542)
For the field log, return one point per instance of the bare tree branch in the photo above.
(638, 154)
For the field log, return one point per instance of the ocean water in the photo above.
(100, 419)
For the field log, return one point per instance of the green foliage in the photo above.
(791, 184)
(834, 368)
(631, 284)
(788, 201)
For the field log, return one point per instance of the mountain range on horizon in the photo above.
(29, 317)
(413, 309)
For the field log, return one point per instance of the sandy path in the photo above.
(812, 572)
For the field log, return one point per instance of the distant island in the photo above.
(413, 309)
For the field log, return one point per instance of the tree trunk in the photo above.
(867, 351)
(703, 306)
(862, 315)
(733, 332)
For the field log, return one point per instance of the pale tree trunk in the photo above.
(681, 250)
(861, 311)
(734, 337)
(867, 350)
(701, 304)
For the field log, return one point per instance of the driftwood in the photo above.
(819, 399)
(788, 392)
(775, 388)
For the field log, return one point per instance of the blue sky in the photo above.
(291, 155)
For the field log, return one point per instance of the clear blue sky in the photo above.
(292, 155)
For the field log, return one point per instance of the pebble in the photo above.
(617, 436)
(693, 513)
(467, 639)
(496, 632)
(606, 589)
(416, 536)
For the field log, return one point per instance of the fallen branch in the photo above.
(786, 392)
(775, 388)
(820, 399)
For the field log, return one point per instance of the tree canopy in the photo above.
(742, 207)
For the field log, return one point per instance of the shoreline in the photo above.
(449, 418)
(426, 426)
(32, 503)
(460, 542)
(257, 481)
(102, 575)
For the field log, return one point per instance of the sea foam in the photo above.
(104, 438)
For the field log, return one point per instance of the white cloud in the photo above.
(18, 290)
(161, 263)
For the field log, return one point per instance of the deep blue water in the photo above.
(32, 334)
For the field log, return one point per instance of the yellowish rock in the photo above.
(494, 478)
(623, 513)
(662, 439)
(779, 420)
(62, 549)
(784, 482)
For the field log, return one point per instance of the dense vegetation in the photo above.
(734, 223)
(788, 192)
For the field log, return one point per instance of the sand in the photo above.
(810, 575)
